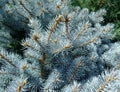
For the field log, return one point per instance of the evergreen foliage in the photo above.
(113, 11)
(68, 49)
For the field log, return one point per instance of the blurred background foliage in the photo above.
(111, 6)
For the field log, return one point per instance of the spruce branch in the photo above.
(42, 62)
(107, 80)
(74, 70)
(7, 60)
(57, 20)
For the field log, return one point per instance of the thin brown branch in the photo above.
(74, 70)
(57, 20)
(106, 81)
(81, 31)
(66, 25)
(7, 73)
(89, 41)
(36, 39)
(42, 63)
(20, 2)
(20, 85)
(25, 44)
(7, 60)
(61, 49)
